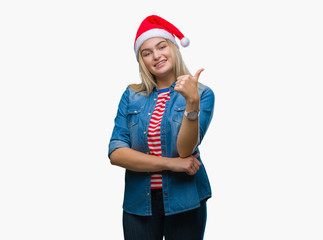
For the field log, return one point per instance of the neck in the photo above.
(165, 82)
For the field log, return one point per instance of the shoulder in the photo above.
(205, 90)
(135, 98)
(130, 93)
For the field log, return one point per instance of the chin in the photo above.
(163, 72)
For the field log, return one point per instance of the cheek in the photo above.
(147, 63)
(171, 58)
(171, 62)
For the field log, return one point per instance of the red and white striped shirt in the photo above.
(154, 142)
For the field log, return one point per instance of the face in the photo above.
(157, 56)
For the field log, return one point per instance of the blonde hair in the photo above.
(148, 80)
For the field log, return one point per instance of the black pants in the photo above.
(188, 225)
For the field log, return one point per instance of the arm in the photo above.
(122, 155)
(188, 136)
(141, 162)
(138, 161)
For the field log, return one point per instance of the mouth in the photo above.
(160, 64)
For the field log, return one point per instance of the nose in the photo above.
(156, 55)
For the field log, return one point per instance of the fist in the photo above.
(186, 85)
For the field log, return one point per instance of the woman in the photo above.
(158, 128)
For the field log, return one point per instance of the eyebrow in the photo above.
(155, 45)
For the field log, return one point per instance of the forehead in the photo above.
(152, 42)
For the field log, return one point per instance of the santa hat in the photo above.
(155, 26)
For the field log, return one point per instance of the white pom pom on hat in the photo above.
(155, 26)
(185, 42)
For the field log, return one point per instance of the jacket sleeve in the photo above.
(207, 100)
(121, 134)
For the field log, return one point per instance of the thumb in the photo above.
(197, 74)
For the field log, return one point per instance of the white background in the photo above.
(63, 68)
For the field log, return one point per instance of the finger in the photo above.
(197, 74)
(178, 88)
(197, 163)
(190, 172)
(180, 78)
(191, 169)
(194, 171)
(195, 168)
(179, 82)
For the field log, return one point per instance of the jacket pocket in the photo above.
(178, 113)
(133, 115)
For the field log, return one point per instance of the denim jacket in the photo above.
(181, 192)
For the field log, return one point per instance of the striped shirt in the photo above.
(154, 142)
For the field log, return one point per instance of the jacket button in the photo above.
(148, 114)
(144, 132)
(166, 193)
(163, 131)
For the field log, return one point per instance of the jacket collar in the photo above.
(171, 87)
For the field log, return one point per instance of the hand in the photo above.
(190, 164)
(187, 86)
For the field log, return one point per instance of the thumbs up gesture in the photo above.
(187, 86)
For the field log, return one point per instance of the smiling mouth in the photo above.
(160, 64)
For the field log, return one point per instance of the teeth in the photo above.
(159, 63)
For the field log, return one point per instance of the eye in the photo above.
(146, 54)
(163, 46)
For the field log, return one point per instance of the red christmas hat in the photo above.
(155, 26)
